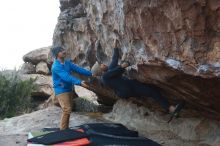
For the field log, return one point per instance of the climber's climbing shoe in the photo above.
(176, 112)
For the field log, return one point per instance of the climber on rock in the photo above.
(112, 76)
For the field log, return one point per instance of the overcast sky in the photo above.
(25, 26)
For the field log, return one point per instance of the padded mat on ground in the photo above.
(99, 140)
(78, 142)
(102, 134)
(57, 137)
(108, 128)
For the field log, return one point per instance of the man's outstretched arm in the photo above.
(79, 70)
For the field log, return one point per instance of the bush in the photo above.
(15, 95)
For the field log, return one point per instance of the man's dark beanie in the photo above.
(56, 50)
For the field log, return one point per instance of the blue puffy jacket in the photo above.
(62, 78)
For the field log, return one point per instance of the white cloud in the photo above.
(25, 25)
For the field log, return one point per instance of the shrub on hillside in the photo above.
(15, 94)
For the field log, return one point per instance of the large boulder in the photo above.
(37, 55)
(173, 44)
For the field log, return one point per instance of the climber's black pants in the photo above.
(146, 90)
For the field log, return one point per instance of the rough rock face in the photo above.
(43, 83)
(173, 44)
(42, 68)
(28, 68)
(184, 131)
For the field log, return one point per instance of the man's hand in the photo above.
(84, 84)
(125, 64)
(91, 79)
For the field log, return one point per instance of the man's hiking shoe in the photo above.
(177, 110)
